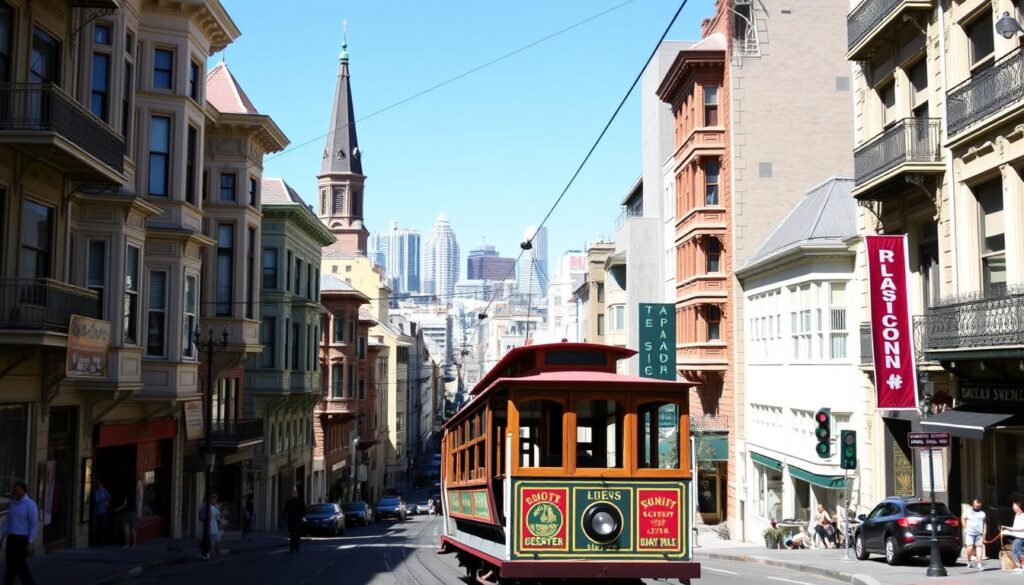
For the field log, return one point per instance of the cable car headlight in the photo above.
(602, 522)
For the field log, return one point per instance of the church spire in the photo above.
(341, 153)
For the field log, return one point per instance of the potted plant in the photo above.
(772, 535)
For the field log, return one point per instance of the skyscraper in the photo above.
(532, 274)
(441, 261)
(401, 248)
(484, 263)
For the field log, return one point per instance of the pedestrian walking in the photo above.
(100, 510)
(129, 520)
(974, 523)
(18, 531)
(214, 526)
(1017, 533)
(294, 510)
(250, 516)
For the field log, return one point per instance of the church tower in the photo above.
(341, 178)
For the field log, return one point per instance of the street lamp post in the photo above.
(935, 567)
(210, 345)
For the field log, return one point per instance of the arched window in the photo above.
(540, 433)
(599, 433)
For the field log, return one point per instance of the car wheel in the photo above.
(892, 551)
(859, 549)
(949, 558)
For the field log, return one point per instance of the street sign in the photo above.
(926, 440)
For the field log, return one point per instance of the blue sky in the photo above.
(491, 150)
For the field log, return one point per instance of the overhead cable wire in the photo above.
(453, 79)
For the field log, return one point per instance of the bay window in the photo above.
(131, 295)
(225, 268)
(188, 322)
(96, 272)
(36, 239)
(156, 314)
(159, 155)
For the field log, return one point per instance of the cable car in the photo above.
(560, 468)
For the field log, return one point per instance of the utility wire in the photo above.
(528, 243)
(452, 79)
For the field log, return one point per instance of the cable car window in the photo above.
(575, 358)
(599, 426)
(499, 422)
(657, 435)
(540, 434)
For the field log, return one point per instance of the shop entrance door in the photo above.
(59, 477)
(710, 492)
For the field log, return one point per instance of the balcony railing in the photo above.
(626, 215)
(44, 304)
(986, 92)
(709, 422)
(43, 107)
(977, 321)
(236, 432)
(868, 15)
(911, 140)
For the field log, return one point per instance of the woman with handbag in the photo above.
(1017, 533)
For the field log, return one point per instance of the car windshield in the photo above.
(320, 509)
(925, 508)
(388, 502)
(353, 507)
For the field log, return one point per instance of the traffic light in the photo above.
(823, 433)
(848, 449)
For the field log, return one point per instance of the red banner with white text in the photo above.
(891, 329)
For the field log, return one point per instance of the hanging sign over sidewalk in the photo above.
(891, 336)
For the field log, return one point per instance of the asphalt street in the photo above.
(397, 553)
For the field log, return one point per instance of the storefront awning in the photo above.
(965, 423)
(766, 461)
(832, 482)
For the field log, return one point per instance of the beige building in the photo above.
(590, 296)
(939, 158)
(105, 136)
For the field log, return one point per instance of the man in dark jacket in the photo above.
(294, 510)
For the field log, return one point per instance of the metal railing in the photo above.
(626, 215)
(917, 330)
(709, 422)
(865, 17)
(977, 320)
(44, 304)
(233, 432)
(986, 92)
(43, 107)
(910, 140)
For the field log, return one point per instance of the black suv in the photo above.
(899, 527)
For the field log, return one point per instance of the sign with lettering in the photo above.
(658, 340)
(542, 520)
(194, 420)
(992, 394)
(584, 498)
(659, 519)
(891, 339)
(924, 440)
(88, 344)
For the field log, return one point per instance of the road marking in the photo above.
(277, 552)
(789, 581)
(714, 570)
(391, 545)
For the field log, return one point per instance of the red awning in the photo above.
(130, 433)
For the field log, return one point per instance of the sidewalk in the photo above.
(100, 566)
(828, 563)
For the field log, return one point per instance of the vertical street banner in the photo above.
(658, 340)
(891, 330)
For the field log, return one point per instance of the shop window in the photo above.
(993, 237)
(540, 433)
(768, 500)
(599, 433)
(657, 435)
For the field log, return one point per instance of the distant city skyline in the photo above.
(441, 261)
(400, 253)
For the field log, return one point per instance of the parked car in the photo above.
(357, 513)
(391, 507)
(326, 518)
(421, 507)
(900, 528)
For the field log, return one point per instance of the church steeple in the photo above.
(341, 170)
(341, 153)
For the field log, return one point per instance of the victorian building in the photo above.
(109, 129)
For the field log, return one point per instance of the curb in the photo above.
(181, 559)
(853, 578)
